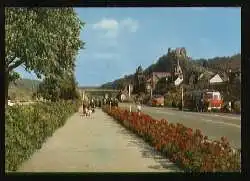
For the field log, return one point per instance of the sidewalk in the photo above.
(96, 144)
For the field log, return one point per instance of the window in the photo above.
(208, 96)
(216, 97)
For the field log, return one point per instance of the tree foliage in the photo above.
(14, 76)
(54, 89)
(43, 40)
(161, 86)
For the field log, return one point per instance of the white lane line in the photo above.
(211, 115)
(228, 124)
(239, 118)
(164, 112)
(204, 114)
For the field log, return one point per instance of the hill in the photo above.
(119, 83)
(165, 63)
(223, 63)
(23, 89)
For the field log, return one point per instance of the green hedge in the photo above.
(27, 127)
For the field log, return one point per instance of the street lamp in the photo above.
(182, 103)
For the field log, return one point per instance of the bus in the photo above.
(205, 100)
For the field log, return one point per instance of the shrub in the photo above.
(237, 106)
(27, 127)
(189, 149)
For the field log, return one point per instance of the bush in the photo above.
(27, 127)
(189, 149)
(237, 107)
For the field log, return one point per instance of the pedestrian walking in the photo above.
(84, 108)
(202, 104)
(230, 106)
(139, 108)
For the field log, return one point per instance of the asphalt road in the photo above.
(213, 125)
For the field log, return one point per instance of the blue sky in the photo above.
(120, 39)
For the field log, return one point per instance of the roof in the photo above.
(223, 76)
(206, 75)
(161, 73)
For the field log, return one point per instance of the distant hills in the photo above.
(221, 63)
(23, 89)
(165, 62)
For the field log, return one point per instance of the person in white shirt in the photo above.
(230, 106)
(139, 108)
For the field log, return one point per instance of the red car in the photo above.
(157, 100)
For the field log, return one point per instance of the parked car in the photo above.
(10, 103)
(157, 100)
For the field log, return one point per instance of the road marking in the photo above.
(211, 115)
(228, 117)
(202, 114)
(163, 112)
(215, 122)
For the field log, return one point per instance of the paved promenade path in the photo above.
(95, 144)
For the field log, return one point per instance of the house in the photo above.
(154, 77)
(236, 76)
(207, 78)
(125, 93)
(216, 79)
(178, 81)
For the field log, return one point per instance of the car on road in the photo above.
(157, 100)
(10, 103)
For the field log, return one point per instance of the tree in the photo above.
(161, 85)
(13, 76)
(43, 40)
(55, 88)
(49, 89)
(205, 64)
(68, 88)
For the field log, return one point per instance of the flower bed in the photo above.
(189, 149)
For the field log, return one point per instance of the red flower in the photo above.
(163, 134)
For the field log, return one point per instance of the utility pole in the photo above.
(151, 92)
(182, 103)
(129, 91)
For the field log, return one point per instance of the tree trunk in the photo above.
(6, 86)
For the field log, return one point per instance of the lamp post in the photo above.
(182, 103)
(129, 95)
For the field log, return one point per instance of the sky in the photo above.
(118, 40)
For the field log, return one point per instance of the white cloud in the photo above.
(130, 24)
(107, 24)
(110, 28)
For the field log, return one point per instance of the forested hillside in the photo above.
(165, 63)
(23, 89)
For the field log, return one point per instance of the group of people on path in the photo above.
(111, 101)
(88, 107)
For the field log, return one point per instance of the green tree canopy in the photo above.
(55, 88)
(43, 40)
